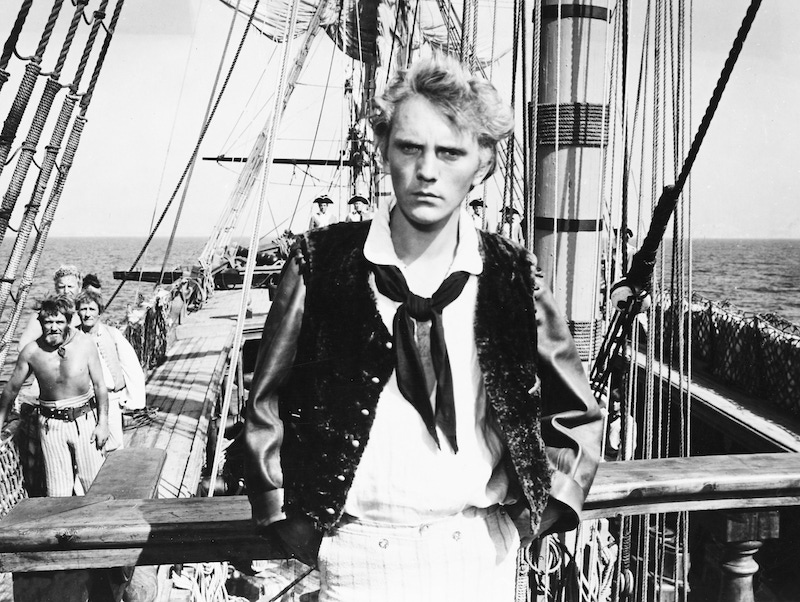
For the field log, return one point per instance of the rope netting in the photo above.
(758, 354)
(12, 488)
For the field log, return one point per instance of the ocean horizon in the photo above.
(759, 276)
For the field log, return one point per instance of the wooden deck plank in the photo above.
(191, 426)
(197, 454)
(129, 473)
(185, 388)
(164, 386)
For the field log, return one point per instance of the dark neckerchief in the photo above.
(410, 371)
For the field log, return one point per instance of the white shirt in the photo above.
(403, 477)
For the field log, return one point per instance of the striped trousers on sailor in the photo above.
(471, 557)
(65, 443)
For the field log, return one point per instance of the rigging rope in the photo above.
(13, 37)
(67, 159)
(194, 152)
(251, 257)
(46, 169)
(52, 87)
(25, 91)
(209, 106)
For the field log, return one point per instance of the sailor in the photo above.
(66, 281)
(476, 211)
(399, 424)
(122, 372)
(321, 218)
(73, 400)
(358, 209)
(510, 224)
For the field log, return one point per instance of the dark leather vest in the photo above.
(344, 360)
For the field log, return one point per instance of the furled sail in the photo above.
(357, 25)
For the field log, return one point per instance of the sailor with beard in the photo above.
(73, 400)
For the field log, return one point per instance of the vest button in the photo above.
(340, 477)
(365, 411)
(389, 344)
(356, 443)
(376, 380)
(330, 510)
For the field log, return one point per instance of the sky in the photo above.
(146, 114)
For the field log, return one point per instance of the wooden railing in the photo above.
(105, 529)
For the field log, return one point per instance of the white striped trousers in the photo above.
(65, 443)
(465, 558)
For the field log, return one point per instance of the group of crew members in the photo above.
(85, 373)
(509, 223)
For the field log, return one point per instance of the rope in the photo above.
(193, 156)
(48, 215)
(13, 37)
(48, 30)
(251, 257)
(52, 88)
(46, 169)
(530, 207)
(193, 161)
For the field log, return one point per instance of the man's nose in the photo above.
(427, 166)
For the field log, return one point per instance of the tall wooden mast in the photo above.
(571, 132)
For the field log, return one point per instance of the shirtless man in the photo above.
(73, 402)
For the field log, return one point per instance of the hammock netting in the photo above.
(758, 354)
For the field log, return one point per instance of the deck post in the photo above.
(741, 535)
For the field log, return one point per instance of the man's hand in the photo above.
(299, 538)
(100, 435)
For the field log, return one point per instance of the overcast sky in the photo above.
(146, 115)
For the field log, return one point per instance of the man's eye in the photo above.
(407, 148)
(450, 154)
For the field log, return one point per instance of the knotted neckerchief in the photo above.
(410, 371)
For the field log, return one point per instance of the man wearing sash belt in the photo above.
(73, 401)
(416, 393)
(122, 371)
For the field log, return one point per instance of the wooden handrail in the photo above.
(99, 531)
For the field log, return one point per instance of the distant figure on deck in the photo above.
(73, 400)
(321, 217)
(91, 282)
(476, 212)
(122, 372)
(510, 225)
(66, 281)
(417, 394)
(359, 209)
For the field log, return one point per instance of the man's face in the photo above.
(358, 206)
(89, 313)
(54, 329)
(433, 164)
(323, 207)
(67, 285)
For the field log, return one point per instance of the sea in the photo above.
(756, 276)
(102, 257)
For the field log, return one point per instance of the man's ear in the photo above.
(483, 168)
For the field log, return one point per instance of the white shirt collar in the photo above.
(379, 249)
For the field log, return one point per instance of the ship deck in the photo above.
(183, 390)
